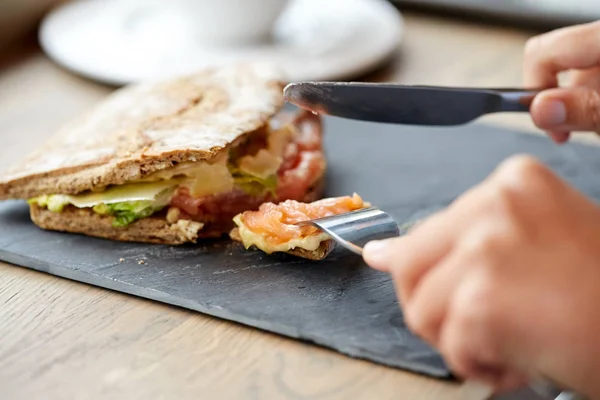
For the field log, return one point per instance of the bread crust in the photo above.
(149, 127)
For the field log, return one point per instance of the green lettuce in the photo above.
(252, 184)
(128, 211)
(53, 202)
(124, 212)
(108, 202)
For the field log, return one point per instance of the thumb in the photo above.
(563, 110)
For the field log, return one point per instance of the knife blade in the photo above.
(402, 104)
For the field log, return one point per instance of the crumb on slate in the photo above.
(141, 262)
(121, 259)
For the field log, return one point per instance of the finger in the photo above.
(408, 257)
(466, 341)
(483, 243)
(425, 311)
(384, 255)
(574, 47)
(567, 110)
(470, 353)
(471, 338)
(589, 78)
(559, 137)
(430, 236)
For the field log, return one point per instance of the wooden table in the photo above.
(62, 339)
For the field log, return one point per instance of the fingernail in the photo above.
(555, 113)
(375, 254)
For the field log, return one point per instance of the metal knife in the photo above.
(401, 104)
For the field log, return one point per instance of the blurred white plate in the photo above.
(119, 42)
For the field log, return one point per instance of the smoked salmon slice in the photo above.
(272, 228)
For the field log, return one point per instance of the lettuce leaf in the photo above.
(128, 211)
(256, 186)
(53, 202)
(253, 185)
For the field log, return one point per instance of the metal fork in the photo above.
(354, 229)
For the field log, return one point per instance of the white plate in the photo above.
(120, 42)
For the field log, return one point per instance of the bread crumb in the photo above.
(187, 229)
(140, 262)
(121, 259)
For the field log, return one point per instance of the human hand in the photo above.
(576, 105)
(505, 282)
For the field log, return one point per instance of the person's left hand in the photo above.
(506, 281)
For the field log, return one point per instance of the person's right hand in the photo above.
(575, 106)
(505, 282)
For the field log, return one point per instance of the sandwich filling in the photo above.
(273, 227)
(281, 161)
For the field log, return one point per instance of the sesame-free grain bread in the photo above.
(148, 127)
(87, 222)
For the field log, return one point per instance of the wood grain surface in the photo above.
(65, 340)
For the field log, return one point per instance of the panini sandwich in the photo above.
(173, 161)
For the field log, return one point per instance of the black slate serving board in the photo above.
(337, 303)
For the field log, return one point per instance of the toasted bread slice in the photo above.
(150, 127)
(146, 230)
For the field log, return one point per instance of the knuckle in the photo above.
(522, 175)
(417, 320)
(473, 325)
(532, 46)
(491, 242)
(504, 198)
(457, 359)
(524, 166)
(475, 307)
(485, 239)
(481, 315)
(477, 312)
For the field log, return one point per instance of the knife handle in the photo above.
(515, 100)
(511, 99)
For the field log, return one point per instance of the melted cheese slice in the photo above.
(189, 169)
(211, 179)
(263, 165)
(117, 194)
(249, 238)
